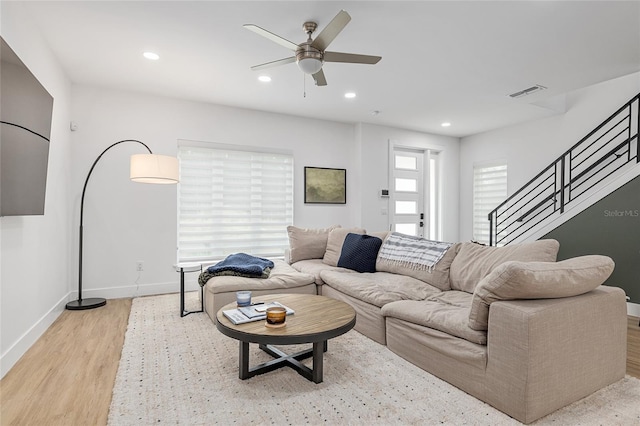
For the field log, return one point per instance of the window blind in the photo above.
(489, 190)
(232, 201)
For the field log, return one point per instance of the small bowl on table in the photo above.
(276, 317)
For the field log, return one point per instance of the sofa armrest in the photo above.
(544, 354)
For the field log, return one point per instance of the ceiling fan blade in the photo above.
(332, 29)
(274, 63)
(319, 78)
(351, 58)
(271, 36)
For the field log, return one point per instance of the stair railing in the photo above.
(606, 149)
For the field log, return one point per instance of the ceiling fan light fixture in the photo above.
(310, 65)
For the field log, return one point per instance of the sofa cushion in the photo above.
(461, 299)
(474, 261)
(359, 252)
(435, 314)
(281, 278)
(307, 243)
(438, 276)
(380, 234)
(334, 244)
(315, 267)
(537, 280)
(378, 288)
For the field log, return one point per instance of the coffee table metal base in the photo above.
(281, 359)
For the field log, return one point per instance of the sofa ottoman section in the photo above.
(221, 290)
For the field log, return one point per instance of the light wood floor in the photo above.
(633, 347)
(67, 376)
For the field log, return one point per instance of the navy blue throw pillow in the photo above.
(359, 252)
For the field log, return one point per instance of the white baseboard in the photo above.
(22, 345)
(633, 309)
(136, 290)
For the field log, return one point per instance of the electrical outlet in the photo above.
(139, 266)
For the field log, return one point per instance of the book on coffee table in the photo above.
(252, 313)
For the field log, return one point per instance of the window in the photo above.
(406, 185)
(231, 200)
(435, 223)
(489, 190)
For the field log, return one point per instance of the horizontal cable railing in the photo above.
(610, 147)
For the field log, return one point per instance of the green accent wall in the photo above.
(610, 227)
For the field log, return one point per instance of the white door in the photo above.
(407, 196)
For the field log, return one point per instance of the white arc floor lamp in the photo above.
(145, 168)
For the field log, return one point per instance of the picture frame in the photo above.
(325, 185)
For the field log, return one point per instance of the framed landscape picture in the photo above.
(325, 186)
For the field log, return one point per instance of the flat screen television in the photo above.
(25, 128)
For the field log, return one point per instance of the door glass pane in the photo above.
(433, 200)
(407, 185)
(403, 162)
(406, 207)
(406, 228)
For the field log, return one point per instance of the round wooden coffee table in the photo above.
(316, 320)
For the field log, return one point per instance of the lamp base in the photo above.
(92, 303)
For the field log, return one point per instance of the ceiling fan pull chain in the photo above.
(304, 85)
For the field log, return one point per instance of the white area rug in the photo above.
(183, 371)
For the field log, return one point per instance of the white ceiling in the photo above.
(441, 60)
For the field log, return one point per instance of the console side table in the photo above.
(188, 267)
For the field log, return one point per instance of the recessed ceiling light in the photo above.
(350, 95)
(152, 56)
(446, 124)
(264, 78)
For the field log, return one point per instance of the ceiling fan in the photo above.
(311, 54)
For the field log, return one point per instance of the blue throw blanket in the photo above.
(241, 265)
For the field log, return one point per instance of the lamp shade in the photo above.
(153, 168)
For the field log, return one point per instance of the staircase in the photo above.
(607, 153)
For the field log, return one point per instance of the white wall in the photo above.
(126, 222)
(530, 147)
(374, 164)
(35, 250)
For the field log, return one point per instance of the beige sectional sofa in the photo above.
(509, 325)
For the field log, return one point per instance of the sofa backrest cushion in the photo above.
(537, 280)
(475, 261)
(334, 244)
(438, 276)
(307, 243)
(359, 252)
(380, 234)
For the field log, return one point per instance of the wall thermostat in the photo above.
(384, 193)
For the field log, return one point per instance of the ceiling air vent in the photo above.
(527, 91)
